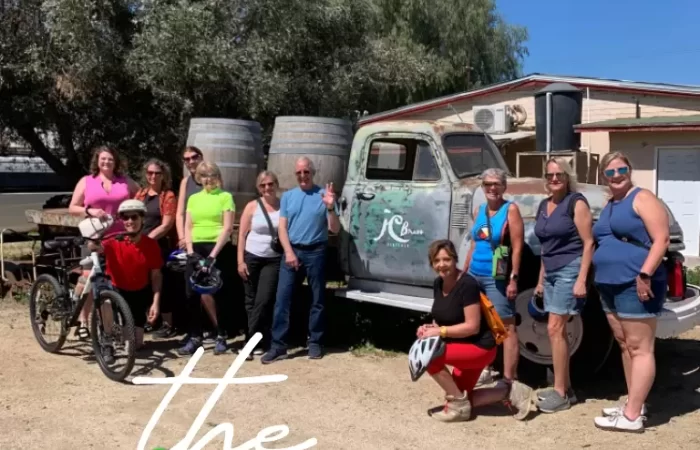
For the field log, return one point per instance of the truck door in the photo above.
(400, 205)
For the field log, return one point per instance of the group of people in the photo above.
(621, 256)
(280, 241)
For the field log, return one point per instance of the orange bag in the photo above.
(493, 319)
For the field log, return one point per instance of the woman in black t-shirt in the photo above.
(470, 345)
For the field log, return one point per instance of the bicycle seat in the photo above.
(62, 242)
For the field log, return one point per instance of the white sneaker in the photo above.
(620, 423)
(485, 377)
(617, 410)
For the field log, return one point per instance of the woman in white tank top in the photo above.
(258, 261)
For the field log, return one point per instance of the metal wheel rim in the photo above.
(534, 338)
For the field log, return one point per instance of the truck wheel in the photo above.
(590, 339)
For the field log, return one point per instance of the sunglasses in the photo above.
(620, 171)
(303, 172)
(551, 176)
(152, 173)
(126, 217)
(191, 158)
(491, 184)
(264, 185)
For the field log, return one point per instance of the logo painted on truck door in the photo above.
(398, 229)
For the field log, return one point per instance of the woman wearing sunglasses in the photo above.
(563, 227)
(208, 228)
(498, 226)
(159, 225)
(259, 257)
(633, 236)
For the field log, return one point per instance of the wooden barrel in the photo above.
(236, 147)
(325, 141)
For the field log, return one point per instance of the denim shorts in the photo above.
(622, 300)
(495, 290)
(559, 290)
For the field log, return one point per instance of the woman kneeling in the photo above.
(470, 345)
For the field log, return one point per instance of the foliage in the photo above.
(131, 73)
(693, 276)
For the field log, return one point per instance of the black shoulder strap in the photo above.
(267, 218)
(622, 238)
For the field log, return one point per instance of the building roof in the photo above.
(659, 123)
(534, 80)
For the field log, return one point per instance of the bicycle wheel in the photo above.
(118, 334)
(47, 310)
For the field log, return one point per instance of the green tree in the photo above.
(131, 73)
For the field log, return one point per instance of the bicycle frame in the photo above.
(96, 282)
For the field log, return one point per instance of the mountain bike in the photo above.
(113, 332)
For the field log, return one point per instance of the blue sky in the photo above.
(650, 41)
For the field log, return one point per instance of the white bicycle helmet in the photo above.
(422, 353)
(132, 206)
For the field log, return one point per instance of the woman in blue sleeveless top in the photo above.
(633, 236)
(487, 234)
(563, 227)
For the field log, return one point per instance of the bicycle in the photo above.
(65, 307)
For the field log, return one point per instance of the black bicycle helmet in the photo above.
(206, 279)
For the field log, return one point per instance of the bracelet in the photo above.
(443, 332)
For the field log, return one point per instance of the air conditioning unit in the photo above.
(492, 119)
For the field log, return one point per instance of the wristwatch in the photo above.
(514, 276)
(644, 276)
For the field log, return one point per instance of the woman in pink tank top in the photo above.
(98, 194)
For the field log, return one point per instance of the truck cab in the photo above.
(412, 182)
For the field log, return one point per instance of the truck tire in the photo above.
(589, 335)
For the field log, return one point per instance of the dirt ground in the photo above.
(344, 401)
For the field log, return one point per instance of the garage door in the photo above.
(678, 185)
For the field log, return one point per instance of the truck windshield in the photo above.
(470, 153)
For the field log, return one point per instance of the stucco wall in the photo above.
(640, 149)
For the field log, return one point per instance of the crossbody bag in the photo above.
(275, 244)
(501, 252)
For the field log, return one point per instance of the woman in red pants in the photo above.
(470, 345)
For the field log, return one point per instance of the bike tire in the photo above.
(127, 333)
(38, 335)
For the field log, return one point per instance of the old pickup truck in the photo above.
(412, 182)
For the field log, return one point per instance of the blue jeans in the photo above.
(622, 299)
(559, 290)
(495, 290)
(312, 266)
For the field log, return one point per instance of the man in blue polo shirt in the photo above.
(307, 212)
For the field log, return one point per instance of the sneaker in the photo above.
(455, 410)
(190, 347)
(554, 402)
(108, 354)
(485, 377)
(520, 397)
(617, 410)
(315, 352)
(221, 346)
(258, 351)
(571, 395)
(620, 423)
(274, 355)
(185, 339)
(165, 332)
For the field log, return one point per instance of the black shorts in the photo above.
(139, 303)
